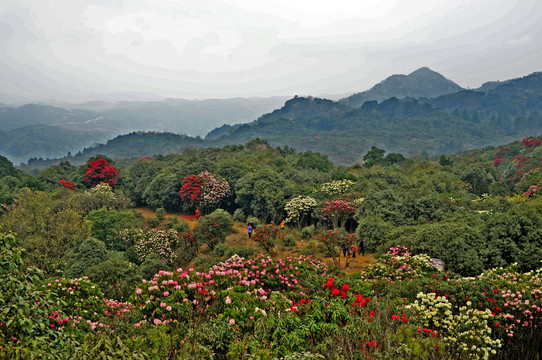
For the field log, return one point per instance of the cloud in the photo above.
(215, 48)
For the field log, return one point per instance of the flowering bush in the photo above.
(68, 184)
(100, 171)
(213, 189)
(531, 142)
(339, 210)
(336, 187)
(184, 294)
(82, 298)
(266, 236)
(398, 264)
(159, 242)
(191, 188)
(469, 328)
(213, 228)
(205, 189)
(298, 208)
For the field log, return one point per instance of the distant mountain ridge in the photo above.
(504, 112)
(448, 123)
(422, 83)
(82, 125)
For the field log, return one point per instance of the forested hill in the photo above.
(505, 112)
(136, 144)
(423, 82)
(75, 126)
(407, 127)
(516, 97)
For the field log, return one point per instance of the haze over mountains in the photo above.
(409, 114)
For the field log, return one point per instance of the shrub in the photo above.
(117, 278)
(91, 252)
(239, 215)
(289, 240)
(254, 220)
(25, 315)
(159, 242)
(160, 213)
(266, 236)
(307, 232)
(214, 228)
(152, 265)
(227, 251)
(153, 222)
(182, 226)
(172, 221)
(204, 262)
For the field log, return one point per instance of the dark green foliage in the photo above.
(116, 277)
(289, 241)
(307, 232)
(512, 237)
(182, 226)
(25, 308)
(373, 230)
(153, 222)
(374, 156)
(160, 213)
(263, 194)
(239, 215)
(458, 244)
(152, 264)
(213, 228)
(107, 225)
(480, 179)
(7, 168)
(163, 192)
(89, 253)
(51, 176)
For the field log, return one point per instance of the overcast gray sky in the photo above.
(82, 49)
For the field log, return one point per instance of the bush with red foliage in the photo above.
(100, 171)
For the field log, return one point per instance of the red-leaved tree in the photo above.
(100, 171)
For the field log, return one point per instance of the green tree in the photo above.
(374, 156)
(213, 228)
(89, 253)
(108, 224)
(264, 194)
(162, 192)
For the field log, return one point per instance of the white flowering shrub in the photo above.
(336, 187)
(159, 242)
(467, 331)
(298, 208)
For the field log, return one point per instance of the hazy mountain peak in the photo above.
(422, 82)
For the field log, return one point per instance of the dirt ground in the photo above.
(240, 238)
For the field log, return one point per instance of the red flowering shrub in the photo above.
(68, 184)
(531, 142)
(100, 171)
(266, 236)
(191, 188)
(205, 188)
(339, 210)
